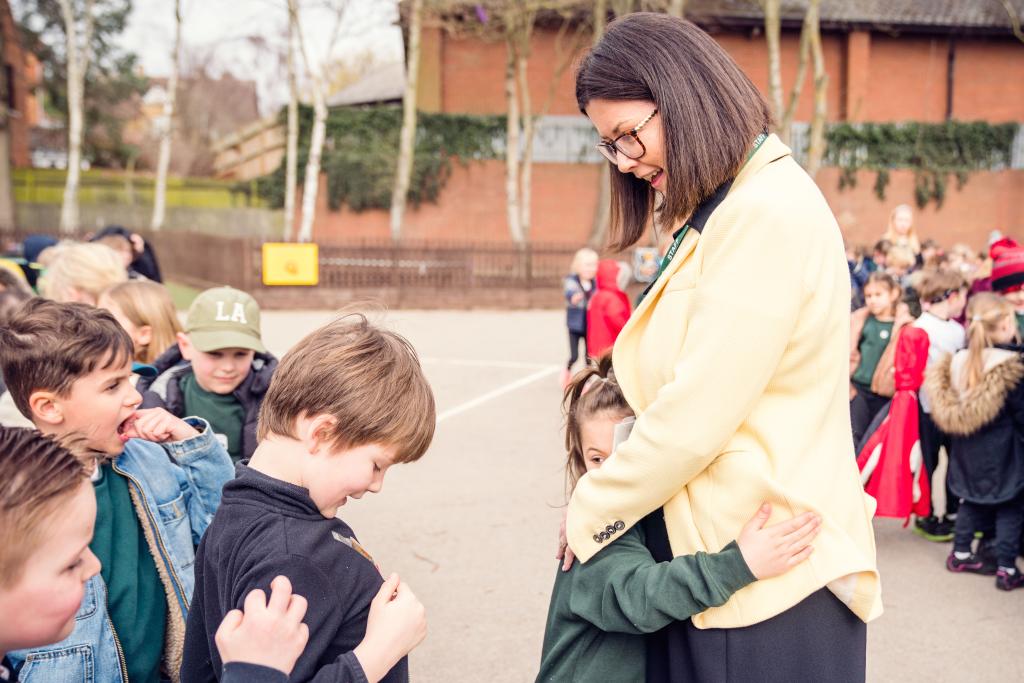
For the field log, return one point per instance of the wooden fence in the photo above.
(434, 275)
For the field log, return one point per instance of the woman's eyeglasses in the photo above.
(628, 144)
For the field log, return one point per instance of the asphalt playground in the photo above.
(472, 527)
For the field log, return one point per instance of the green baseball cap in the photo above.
(224, 318)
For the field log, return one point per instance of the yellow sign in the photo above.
(290, 263)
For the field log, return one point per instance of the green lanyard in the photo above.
(671, 253)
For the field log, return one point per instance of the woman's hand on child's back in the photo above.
(397, 623)
(157, 425)
(773, 550)
(269, 633)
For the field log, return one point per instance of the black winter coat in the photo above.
(986, 425)
(164, 390)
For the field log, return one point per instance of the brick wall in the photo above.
(872, 77)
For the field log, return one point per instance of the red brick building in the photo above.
(20, 72)
(899, 60)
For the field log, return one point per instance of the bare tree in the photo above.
(292, 145)
(318, 86)
(1011, 12)
(772, 35)
(784, 114)
(816, 149)
(166, 127)
(6, 193)
(407, 139)
(78, 54)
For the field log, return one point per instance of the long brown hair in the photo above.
(591, 392)
(710, 112)
(984, 314)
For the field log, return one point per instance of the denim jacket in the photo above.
(175, 488)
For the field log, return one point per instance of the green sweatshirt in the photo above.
(599, 610)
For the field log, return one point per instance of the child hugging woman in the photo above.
(599, 611)
(977, 397)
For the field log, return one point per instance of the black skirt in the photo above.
(819, 640)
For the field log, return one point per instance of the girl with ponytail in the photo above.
(600, 610)
(977, 397)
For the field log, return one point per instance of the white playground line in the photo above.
(500, 391)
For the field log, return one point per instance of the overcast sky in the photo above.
(222, 31)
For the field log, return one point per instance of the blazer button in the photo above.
(620, 525)
(610, 529)
(598, 539)
(604, 535)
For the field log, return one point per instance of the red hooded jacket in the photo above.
(608, 312)
(890, 461)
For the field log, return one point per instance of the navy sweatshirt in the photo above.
(264, 528)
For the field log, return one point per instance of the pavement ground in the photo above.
(472, 527)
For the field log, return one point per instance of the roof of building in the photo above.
(918, 15)
(944, 14)
(385, 83)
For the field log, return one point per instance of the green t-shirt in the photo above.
(1020, 324)
(873, 341)
(223, 411)
(136, 600)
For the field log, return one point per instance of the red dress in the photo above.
(890, 461)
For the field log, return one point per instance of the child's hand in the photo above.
(157, 425)
(770, 551)
(267, 633)
(397, 623)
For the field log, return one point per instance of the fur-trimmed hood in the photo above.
(965, 412)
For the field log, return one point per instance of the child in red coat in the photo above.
(608, 311)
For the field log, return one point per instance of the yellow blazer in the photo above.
(737, 366)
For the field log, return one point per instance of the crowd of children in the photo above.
(146, 519)
(159, 480)
(967, 311)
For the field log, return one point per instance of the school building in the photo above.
(893, 61)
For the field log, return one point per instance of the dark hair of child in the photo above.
(592, 391)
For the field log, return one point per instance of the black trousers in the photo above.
(932, 439)
(1008, 518)
(574, 347)
(863, 408)
(817, 640)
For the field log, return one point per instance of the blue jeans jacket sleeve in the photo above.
(206, 467)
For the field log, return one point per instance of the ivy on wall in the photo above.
(934, 151)
(361, 153)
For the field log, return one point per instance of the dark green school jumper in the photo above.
(600, 610)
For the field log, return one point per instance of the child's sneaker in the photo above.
(972, 564)
(934, 529)
(1005, 581)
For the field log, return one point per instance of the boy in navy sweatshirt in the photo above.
(346, 403)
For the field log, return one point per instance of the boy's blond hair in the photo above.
(86, 267)
(37, 477)
(900, 256)
(148, 303)
(367, 378)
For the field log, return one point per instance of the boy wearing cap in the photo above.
(218, 370)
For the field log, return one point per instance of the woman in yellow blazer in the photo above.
(735, 362)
